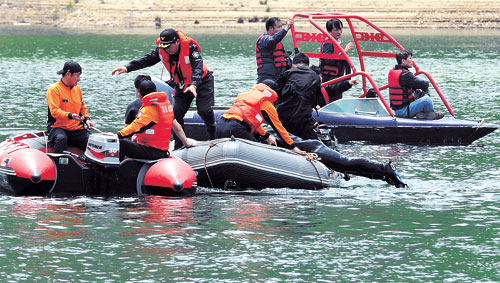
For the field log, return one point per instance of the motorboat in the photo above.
(368, 116)
(29, 167)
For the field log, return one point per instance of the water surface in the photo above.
(445, 228)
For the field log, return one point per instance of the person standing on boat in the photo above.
(251, 108)
(152, 126)
(334, 68)
(272, 59)
(181, 56)
(300, 94)
(404, 87)
(67, 113)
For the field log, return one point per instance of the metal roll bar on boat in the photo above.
(358, 36)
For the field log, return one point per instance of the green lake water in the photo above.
(446, 228)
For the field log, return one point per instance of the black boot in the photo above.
(392, 176)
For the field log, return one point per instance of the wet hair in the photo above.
(316, 69)
(403, 54)
(330, 24)
(139, 79)
(271, 21)
(300, 58)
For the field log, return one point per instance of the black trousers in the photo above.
(134, 150)
(204, 102)
(302, 129)
(61, 138)
(232, 127)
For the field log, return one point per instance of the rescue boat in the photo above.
(28, 167)
(234, 164)
(361, 118)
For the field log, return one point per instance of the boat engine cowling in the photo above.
(103, 148)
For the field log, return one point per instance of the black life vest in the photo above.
(398, 95)
(276, 57)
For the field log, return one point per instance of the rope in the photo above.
(480, 123)
(212, 144)
(311, 157)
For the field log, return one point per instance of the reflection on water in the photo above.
(445, 228)
(299, 235)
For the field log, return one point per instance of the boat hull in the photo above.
(378, 130)
(26, 169)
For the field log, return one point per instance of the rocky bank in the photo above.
(111, 16)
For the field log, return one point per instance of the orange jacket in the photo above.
(153, 123)
(184, 62)
(256, 105)
(62, 101)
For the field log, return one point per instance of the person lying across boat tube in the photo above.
(409, 95)
(250, 109)
(152, 126)
(67, 113)
(299, 95)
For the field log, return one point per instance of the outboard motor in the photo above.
(323, 133)
(103, 149)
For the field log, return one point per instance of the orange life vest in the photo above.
(184, 63)
(158, 136)
(276, 57)
(247, 105)
(399, 96)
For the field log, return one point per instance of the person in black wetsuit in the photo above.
(299, 93)
(348, 165)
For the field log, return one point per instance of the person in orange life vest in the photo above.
(181, 56)
(152, 126)
(333, 92)
(251, 108)
(67, 113)
(402, 91)
(334, 68)
(134, 106)
(270, 53)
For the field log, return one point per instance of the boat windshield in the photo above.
(358, 106)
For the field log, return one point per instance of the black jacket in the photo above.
(300, 93)
(153, 57)
(409, 80)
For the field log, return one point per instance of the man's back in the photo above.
(301, 92)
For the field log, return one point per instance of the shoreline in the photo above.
(27, 29)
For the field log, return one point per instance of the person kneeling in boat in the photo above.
(251, 108)
(408, 94)
(67, 113)
(152, 126)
